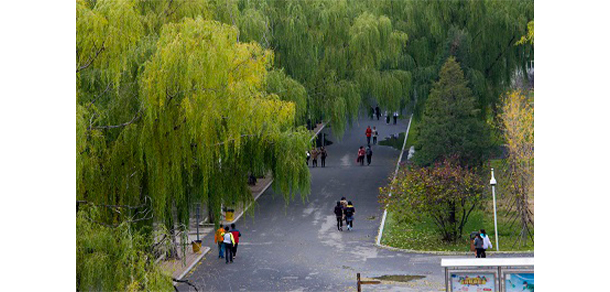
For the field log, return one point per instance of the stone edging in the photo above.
(381, 227)
(385, 211)
(206, 249)
(448, 252)
(203, 253)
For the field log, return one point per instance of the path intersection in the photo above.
(297, 247)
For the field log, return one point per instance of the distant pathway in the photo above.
(298, 248)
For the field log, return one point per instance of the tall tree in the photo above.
(450, 126)
(171, 111)
(518, 124)
(480, 34)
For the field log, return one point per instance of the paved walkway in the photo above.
(296, 246)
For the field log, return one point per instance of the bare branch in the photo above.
(91, 59)
(95, 98)
(135, 118)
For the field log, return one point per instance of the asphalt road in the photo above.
(296, 246)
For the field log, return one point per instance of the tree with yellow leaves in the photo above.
(518, 124)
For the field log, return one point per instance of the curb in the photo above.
(203, 253)
(412, 251)
(385, 211)
(206, 249)
(248, 207)
(271, 182)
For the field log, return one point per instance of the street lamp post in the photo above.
(492, 182)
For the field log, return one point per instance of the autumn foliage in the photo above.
(446, 192)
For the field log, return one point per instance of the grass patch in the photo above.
(399, 278)
(423, 236)
(395, 143)
(412, 135)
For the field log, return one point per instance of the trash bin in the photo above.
(229, 215)
(196, 246)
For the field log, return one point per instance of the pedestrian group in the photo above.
(227, 241)
(344, 211)
(482, 243)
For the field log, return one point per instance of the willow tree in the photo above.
(207, 112)
(343, 55)
(171, 111)
(480, 34)
(288, 89)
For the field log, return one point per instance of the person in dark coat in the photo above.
(349, 215)
(323, 155)
(478, 245)
(339, 214)
(369, 154)
(377, 112)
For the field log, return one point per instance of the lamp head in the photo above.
(493, 179)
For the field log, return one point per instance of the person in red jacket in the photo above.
(368, 135)
(236, 235)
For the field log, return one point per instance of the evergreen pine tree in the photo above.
(450, 125)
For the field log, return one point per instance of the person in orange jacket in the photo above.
(218, 237)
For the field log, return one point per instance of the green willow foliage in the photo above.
(342, 54)
(480, 34)
(114, 259)
(172, 110)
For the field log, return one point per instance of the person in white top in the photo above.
(375, 133)
(229, 242)
(486, 241)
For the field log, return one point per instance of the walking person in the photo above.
(368, 133)
(349, 215)
(486, 242)
(372, 112)
(395, 117)
(343, 206)
(228, 241)
(478, 245)
(323, 155)
(375, 134)
(361, 154)
(339, 214)
(377, 112)
(236, 236)
(387, 118)
(369, 154)
(314, 157)
(218, 237)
